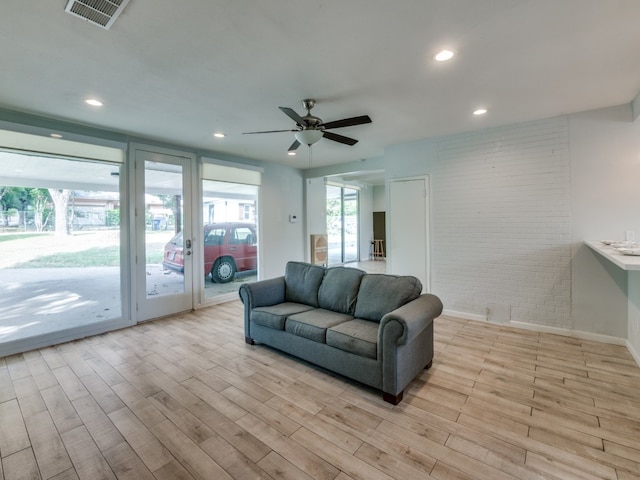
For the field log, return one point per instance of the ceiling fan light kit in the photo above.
(308, 137)
(310, 129)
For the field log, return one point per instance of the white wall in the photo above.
(316, 211)
(500, 219)
(281, 195)
(379, 198)
(605, 181)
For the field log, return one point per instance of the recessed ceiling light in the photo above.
(219, 134)
(444, 55)
(480, 111)
(55, 135)
(291, 153)
(94, 102)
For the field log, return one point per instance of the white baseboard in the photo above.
(596, 337)
(633, 352)
(464, 315)
(566, 332)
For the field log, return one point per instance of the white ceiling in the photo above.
(176, 71)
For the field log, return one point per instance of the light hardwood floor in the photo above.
(185, 397)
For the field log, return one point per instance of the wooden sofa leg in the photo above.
(249, 340)
(429, 365)
(393, 399)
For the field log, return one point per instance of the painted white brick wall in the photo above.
(501, 221)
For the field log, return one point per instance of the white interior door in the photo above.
(407, 234)
(163, 226)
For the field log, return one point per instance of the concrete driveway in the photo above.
(42, 300)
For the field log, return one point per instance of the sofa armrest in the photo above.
(263, 293)
(405, 343)
(410, 320)
(260, 294)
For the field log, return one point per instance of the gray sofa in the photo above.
(375, 329)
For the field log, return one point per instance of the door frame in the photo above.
(137, 234)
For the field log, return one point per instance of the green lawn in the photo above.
(86, 249)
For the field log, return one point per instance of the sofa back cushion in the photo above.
(302, 281)
(339, 289)
(381, 294)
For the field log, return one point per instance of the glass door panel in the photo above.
(61, 243)
(230, 236)
(164, 227)
(334, 224)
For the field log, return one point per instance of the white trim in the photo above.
(226, 163)
(465, 316)
(72, 137)
(635, 107)
(632, 351)
(565, 332)
(62, 336)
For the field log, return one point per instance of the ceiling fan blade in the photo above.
(294, 146)
(291, 113)
(348, 122)
(269, 131)
(339, 138)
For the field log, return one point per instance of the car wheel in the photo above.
(223, 271)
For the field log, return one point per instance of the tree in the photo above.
(60, 199)
(40, 200)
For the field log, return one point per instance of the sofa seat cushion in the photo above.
(275, 315)
(356, 336)
(313, 324)
(339, 289)
(380, 294)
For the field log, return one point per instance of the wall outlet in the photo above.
(630, 236)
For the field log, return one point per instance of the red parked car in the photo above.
(228, 248)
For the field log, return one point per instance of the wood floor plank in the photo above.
(278, 467)
(303, 458)
(50, 453)
(154, 455)
(85, 455)
(194, 459)
(125, 464)
(172, 471)
(232, 460)
(21, 466)
(62, 412)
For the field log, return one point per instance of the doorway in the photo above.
(163, 226)
(408, 241)
(342, 224)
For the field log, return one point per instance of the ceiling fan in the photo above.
(309, 128)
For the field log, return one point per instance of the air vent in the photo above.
(99, 12)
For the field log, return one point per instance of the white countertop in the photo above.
(626, 262)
